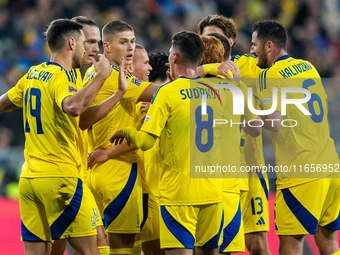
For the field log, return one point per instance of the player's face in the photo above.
(171, 62)
(141, 67)
(77, 59)
(212, 29)
(258, 50)
(123, 45)
(92, 35)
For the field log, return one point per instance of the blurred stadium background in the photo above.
(314, 34)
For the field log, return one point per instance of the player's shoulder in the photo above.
(160, 91)
(244, 57)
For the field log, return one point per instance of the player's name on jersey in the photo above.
(295, 70)
(194, 93)
(39, 75)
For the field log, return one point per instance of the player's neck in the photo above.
(63, 59)
(277, 55)
(185, 71)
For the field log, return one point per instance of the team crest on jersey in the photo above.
(147, 118)
(89, 75)
(136, 81)
(71, 89)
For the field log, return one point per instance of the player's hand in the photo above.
(118, 138)
(122, 82)
(95, 157)
(145, 107)
(103, 66)
(230, 65)
(168, 73)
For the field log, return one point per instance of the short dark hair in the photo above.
(270, 30)
(113, 27)
(59, 31)
(157, 61)
(227, 25)
(190, 47)
(83, 20)
(226, 44)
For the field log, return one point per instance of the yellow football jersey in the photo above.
(191, 143)
(253, 150)
(307, 140)
(121, 115)
(52, 142)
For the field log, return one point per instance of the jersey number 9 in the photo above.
(34, 97)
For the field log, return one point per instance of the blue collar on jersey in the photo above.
(198, 77)
(282, 58)
(54, 63)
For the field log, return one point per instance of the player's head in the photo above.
(213, 50)
(119, 41)
(218, 24)
(268, 38)
(226, 44)
(186, 50)
(92, 35)
(64, 34)
(157, 62)
(140, 65)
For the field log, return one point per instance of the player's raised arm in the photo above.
(6, 105)
(95, 113)
(81, 100)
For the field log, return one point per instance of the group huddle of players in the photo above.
(111, 173)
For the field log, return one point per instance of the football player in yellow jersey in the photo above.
(52, 100)
(185, 199)
(116, 183)
(254, 204)
(92, 36)
(306, 202)
(141, 70)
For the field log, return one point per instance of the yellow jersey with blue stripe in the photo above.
(121, 115)
(52, 141)
(252, 146)
(305, 142)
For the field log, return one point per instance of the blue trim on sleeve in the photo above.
(231, 230)
(263, 182)
(242, 142)
(28, 235)
(179, 232)
(213, 242)
(112, 211)
(335, 225)
(156, 93)
(145, 209)
(60, 225)
(307, 220)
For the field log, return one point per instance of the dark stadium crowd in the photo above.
(313, 27)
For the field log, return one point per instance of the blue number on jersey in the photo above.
(314, 97)
(34, 112)
(202, 125)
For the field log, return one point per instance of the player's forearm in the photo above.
(120, 149)
(141, 139)
(95, 113)
(81, 100)
(6, 105)
(272, 122)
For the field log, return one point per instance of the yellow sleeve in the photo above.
(213, 69)
(267, 81)
(248, 115)
(61, 88)
(141, 139)
(135, 88)
(16, 94)
(158, 113)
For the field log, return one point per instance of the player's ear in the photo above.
(269, 46)
(106, 47)
(231, 41)
(71, 43)
(176, 57)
